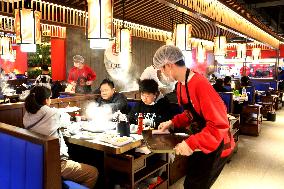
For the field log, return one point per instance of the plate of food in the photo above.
(107, 137)
(86, 135)
(120, 141)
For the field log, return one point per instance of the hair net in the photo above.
(78, 58)
(167, 54)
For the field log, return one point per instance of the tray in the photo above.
(162, 143)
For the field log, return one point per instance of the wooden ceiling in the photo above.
(158, 15)
(246, 13)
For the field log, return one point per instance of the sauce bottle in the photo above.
(140, 124)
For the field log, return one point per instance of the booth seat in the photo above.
(250, 93)
(274, 85)
(227, 97)
(229, 88)
(29, 160)
(261, 86)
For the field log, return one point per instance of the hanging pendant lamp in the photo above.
(256, 53)
(27, 27)
(5, 45)
(99, 27)
(123, 36)
(241, 50)
(182, 35)
(201, 53)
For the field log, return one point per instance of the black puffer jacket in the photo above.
(117, 102)
(161, 110)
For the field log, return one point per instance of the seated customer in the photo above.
(227, 83)
(109, 96)
(42, 119)
(245, 81)
(44, 79)
(218, 86)
(153, 105)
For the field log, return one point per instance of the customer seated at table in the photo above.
(109, 96)
(42, 119)
(245, 81)
(227, 83)
(218, 86)
(153, 105)
(44, 79)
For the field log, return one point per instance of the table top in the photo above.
(106, 147)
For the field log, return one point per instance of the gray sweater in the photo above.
(47, 122)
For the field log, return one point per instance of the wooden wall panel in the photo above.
(142, 54)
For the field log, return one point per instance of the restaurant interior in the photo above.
(117, 39)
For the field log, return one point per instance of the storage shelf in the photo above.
(149, 170)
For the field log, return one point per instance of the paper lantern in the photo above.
(220, 46)
(256, 53)
(123, 40)
(27, 27)
(99, 28)
(241, 50)
(182, 36)
(201, 53)
(6, 46)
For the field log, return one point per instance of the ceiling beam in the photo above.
(268, 4)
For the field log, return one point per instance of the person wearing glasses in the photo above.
(79, 71)
(210, 142)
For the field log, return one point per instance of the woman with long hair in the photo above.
(42, 119)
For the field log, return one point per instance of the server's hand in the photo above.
(165, 125)
(183, 149)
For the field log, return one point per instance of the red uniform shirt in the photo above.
(207, 103)
(86, 72)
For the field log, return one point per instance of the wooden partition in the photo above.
(13, 113)
(132, 94)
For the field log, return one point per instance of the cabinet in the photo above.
(131, 168)
(178, 168)
(251, 120)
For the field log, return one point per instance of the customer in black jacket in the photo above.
(219, 86)
(109, 96)
(153, 105)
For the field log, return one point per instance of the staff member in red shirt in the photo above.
(81, 70)
(210, 142)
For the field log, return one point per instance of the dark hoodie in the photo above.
(161, 110)
(117, 102)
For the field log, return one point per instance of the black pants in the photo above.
(204, 169)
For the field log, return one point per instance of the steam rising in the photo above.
(101, 115)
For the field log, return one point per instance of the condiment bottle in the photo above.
(140, 124)
(77, 116)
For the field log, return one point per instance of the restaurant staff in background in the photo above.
(81, 74)
(42, 119)
(153, 105)
(109, 96)
(210, 142)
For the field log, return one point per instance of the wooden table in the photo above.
(124, 166)
(105, 147)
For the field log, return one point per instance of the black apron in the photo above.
(203, 169)
(81, 86)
